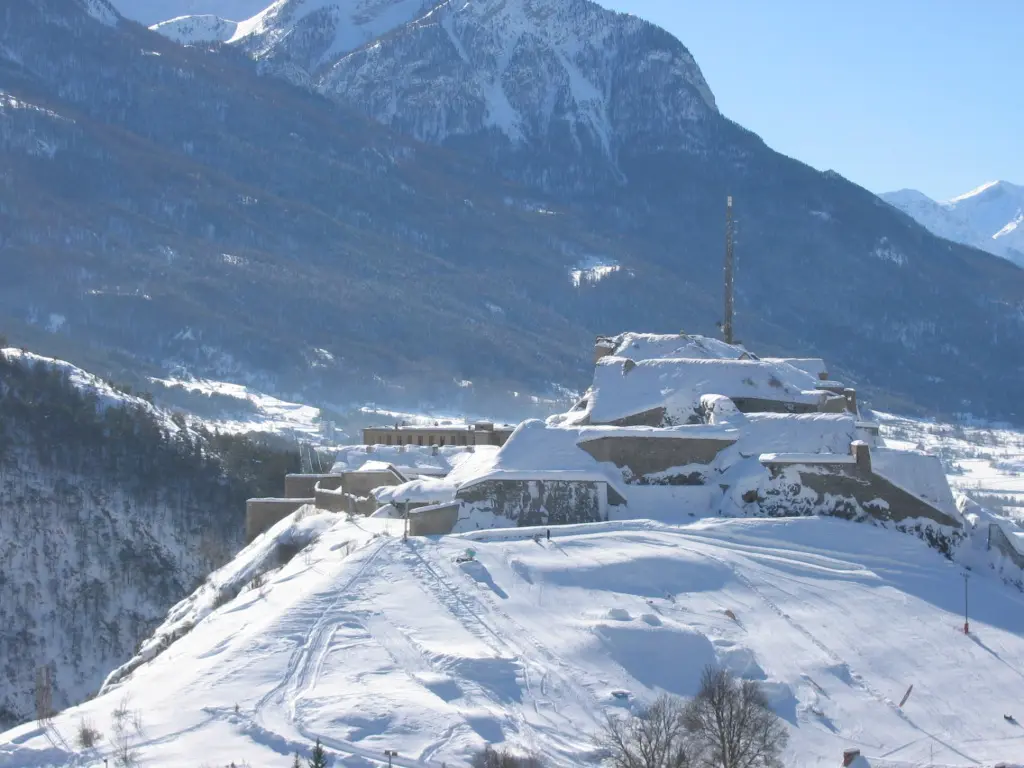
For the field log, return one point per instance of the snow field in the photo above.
(372, 643)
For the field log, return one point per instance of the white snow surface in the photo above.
(204, 28)
(371, 643)
(987, 217)
(106, 395)
(916, 472)
(346, 24)
(622, 389)
(271, 413)
(538, 451)
(655, 346)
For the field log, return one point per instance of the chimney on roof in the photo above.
(849, 755)
(862, 453)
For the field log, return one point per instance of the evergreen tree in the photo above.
(319, 758)
(296, 763)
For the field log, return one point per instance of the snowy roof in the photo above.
(815, 366)
(813, 433)
(537, 451)
(682, 432)
(623, 388)
(920, 474)
(413, 459)
(806, 458)
(421, 491)
(654, 346)
(375, 466)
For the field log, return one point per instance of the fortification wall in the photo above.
(434, 520)
(539, 502)
(841, 489)
(650, 455)
(263, 514)
(361, 483)
(998, 540)
(297, 486)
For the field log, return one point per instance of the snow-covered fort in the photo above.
(672, 427)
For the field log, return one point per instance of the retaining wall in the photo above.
(263, 514)
(436, 520)
(539, 502)
(998, 540)
(649, 455)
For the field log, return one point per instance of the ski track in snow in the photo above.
(529, 641)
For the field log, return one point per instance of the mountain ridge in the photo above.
(989, 217)
(212, 219)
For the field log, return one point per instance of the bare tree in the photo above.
(489, 757)
(731, 724)
(126, 726)
(656, 738)
(44, 696)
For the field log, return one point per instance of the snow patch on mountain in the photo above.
(101, 10)
(190, 30)
(535, 71)
(988, 217)
(313, 33)
(153, 12)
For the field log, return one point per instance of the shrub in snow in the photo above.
(656, 738)
(87, 736)
(489, 757)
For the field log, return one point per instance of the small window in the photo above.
(419, 440)
(442, 441)
(389, 439)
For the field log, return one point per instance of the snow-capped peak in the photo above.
(974, 192)
(988, 217)
(562, 73)
(313, 33)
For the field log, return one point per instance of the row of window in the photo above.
(400, 439)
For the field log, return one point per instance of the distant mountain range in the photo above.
(454, 200)
(990, 217)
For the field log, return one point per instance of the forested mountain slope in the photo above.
(110, 512)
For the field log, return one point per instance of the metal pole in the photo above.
(727, 320)
(967, 625)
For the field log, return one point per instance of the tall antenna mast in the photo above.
(727, 321)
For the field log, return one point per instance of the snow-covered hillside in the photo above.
(189, 30)
(372, 643)
(990, 217)
(110, 511)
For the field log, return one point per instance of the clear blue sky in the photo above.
(927, 94)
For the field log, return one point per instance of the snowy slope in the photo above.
(312, 33)
(531, 71)
(150, 12)
(103, 525)
(990, 217)
(372, 643)
(189, 30)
